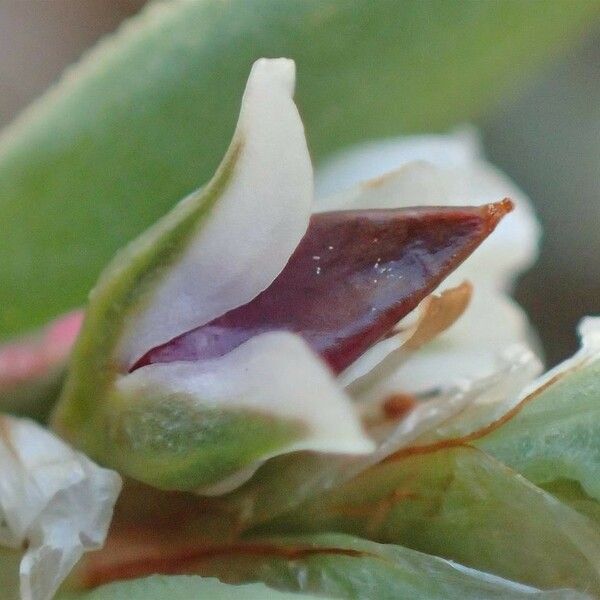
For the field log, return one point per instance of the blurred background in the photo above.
(545, 135)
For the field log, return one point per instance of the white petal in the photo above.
(457, 412)
(367, 161)
(489, 398)
(495, 396)
(253, 228)
(53, 500)
(471, 349)
(275, 374)
(589, 337)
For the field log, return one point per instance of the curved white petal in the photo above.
(251, 230)
(53, 500)
(275, 374)
(495, 396)
(588, 331)
(454, 174)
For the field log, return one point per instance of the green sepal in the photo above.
(343, 566)
(172, 443)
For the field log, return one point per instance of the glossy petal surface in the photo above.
(450, 170)
(354, 275)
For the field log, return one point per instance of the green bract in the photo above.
(461, 504)
(556, 435)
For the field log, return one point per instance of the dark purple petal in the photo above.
(354, 275)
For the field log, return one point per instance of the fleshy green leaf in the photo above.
(182, 588)
(145, 118)
(463, 505)
(570, 492)
(335, 566)
(555, 434)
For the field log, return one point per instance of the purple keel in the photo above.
(354, 275)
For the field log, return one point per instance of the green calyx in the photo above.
(82, 411)
(172, 442)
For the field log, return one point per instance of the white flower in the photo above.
(217, 251)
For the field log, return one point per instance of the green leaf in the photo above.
(461, 504)
(181, 588)
(556, 434)
(570, 492)
(341, 566)
(145, 118)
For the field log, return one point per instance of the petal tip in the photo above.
(279, 71)
(498, 210)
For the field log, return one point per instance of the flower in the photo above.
(300, 370)
(240, 288)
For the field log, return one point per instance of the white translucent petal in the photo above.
(589, 336)
(375, 355)
(495, 396)
(273, 373)
(453, 174)
(455, 412)
(369, 160)
(53, 501)
(253, 228)
(489, 399)
(471, 349)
